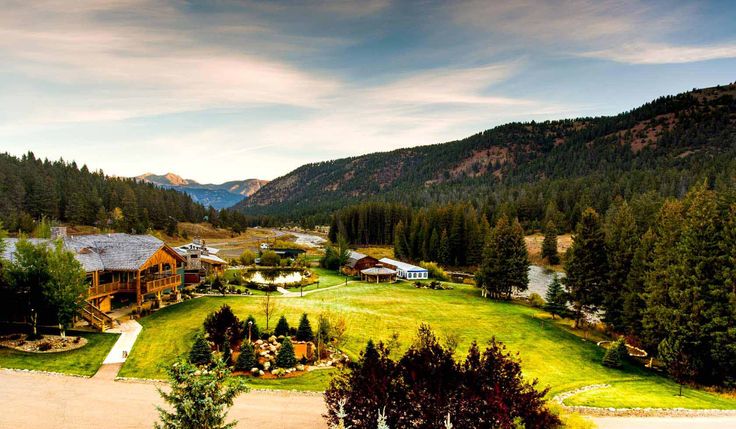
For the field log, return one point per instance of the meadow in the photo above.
(547, 349)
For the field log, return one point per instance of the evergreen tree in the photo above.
(505, 266)
(613, 358)
(201, 353)
(247, 358)
(304, 332)
(622, 241)
(401, 242)
(586, 266)
(282, 327)
(549, 244)
(634, 304)
(285, 357)
(198, 399)
(443, 254)
(556, 298)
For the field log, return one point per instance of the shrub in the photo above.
(247, 358)
(282, 327)
(615, 354)
(227, 353)
(435, 271)
(77, 340)
(247, 258)
(304, 332)
(536, 301)
(223, 325)
(201, 353)
(45, 346)
(286, 357)
(270, 258)
(32, 337)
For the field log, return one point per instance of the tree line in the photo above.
(32, 189)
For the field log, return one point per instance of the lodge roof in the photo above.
(402, 265)
(113, 252)
(353, 258)
(378, 271)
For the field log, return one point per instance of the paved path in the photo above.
(39, 401)
(664, 422)
(128, 331)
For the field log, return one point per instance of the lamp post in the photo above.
(250, 325)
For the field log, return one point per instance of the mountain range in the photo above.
(216, 195)
(663, 146)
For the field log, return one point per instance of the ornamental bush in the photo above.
(304, 333)
(286, 357)
(282, 328)
(247, 358)
(200, 354)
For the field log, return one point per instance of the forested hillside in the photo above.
(663, 147)
(31, 188)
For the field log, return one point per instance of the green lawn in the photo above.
(84, 361)
(328, 278)
(555, 356)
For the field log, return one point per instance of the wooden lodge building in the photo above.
(201, 261)
(358, 262)
(119, 266)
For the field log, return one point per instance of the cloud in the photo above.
(653, 53)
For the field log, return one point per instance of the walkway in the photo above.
(664, 422)
(128, 331)
(39, 401)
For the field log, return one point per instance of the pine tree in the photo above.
(634, 304)
(198, 399)
(282, 327)
(201, 353)
(401, 242)
(443, 254)
(586, 266)
(304, 332)
(622, 241)
(613, 357)
(247, 358)
(505, 266)
(556, 298)
(549, 244)
(285, 357)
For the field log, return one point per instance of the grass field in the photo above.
(549, 352)
(84, 361)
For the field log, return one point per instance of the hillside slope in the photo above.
(218, 196)
(663, 146)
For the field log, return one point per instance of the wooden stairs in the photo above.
(96, 317)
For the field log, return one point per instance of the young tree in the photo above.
(613, 357)
(549, 244)
(247, 358)
(28, 274)
(401, 241)
(285, 357)
(269, 258)
(198, 398)
(201, 353)
(556, 298)
(282, 327)
(268, 307)
(304, 332)
(586, 266)
(219, 285)
(65, 290)
(505, 266)
(247, 258)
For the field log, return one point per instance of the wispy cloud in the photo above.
(654, 53)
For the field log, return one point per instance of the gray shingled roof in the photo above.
(353, 258)
(113, 252)
(378, 271)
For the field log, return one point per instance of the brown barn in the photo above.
(358, 262)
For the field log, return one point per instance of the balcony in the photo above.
(166, 281)
(109, 289)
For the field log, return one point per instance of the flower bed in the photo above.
(45, 344)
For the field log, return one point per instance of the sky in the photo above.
(228, 90)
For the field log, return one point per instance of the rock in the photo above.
(272, 339)
(261, 373)
(300, 367)
(254, 371)
(272, 349)
(266, 365)
(259, 342)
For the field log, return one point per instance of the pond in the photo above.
(273, 277)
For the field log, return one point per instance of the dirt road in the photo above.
(30, 401)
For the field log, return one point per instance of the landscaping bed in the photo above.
(44, 344)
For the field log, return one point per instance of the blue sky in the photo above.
(217, 91)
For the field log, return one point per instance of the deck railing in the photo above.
(157, 285)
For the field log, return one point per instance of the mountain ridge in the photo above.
(219, 196)
(671, 133)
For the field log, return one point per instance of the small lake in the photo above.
(539, 280)
(273, 277)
